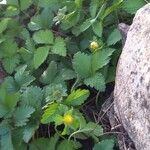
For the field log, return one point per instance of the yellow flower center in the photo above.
(68, 119)
(94, 45)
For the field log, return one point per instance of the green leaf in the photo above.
(76, 98)
(43, 37)
(41, 21)
(132, 6)
(32, 96)
(98, 28)
(101, 58)
(114, 37)
(97, 81)
(104, 145)
(22, 77)
(49, 113)
(55, 92)
(44, 143)
(3, 24)
(65, 145)
(93, 7)
(67, 74)
(25, 4)
(59, 47)
(86, 24)
(29, 132)
(22, 115)
(112, 8)
(90, 129)
(40, 55)
(11, 100)
(9, 48)
(10, 63)
(81, 61)
(6, 142)
(49, 74)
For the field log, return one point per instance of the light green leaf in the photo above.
(25, 4)
(3, 24)
(59, 47)
(40, 55)
(97, 81)
(104, 145)
(114, 37)
(76, 98)
(43, 37)
(22, 115)
(81, 61)
(132, 6)
(98, 28)
(49, 113)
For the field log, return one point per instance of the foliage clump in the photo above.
(55, 52)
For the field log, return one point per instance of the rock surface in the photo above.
(132, 87)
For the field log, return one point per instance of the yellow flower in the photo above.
(94, 45)
(68, 119)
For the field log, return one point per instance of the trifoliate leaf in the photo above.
(82, 64)
(22, 115)
(101, 58)
(114, 37)
(10, 63)
(3, 24)
(132, 6)
(76, 98)
(40, 55)
(97, 81)
(43, 37)
(49, 113)
(59, 47)
(104, 145)
(98, 28)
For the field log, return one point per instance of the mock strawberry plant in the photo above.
(54, 53)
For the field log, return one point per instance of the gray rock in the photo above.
(132, 84)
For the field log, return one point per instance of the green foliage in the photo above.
(52, 69)
(104, 145)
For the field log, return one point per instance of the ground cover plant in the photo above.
(56, 56)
